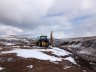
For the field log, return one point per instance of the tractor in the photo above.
(43, 41)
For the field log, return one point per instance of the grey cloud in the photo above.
(42, 16)
(22, 13)
(74, 9)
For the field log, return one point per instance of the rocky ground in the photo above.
(53, 60)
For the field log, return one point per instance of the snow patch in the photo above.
(57, 51)
(33, 53)
(55, 62)
(38, 54)
(67, 67)
(8, 44)
(1, 68)
(75, 46)
(30, 66)
(71, 60)
(84, 70)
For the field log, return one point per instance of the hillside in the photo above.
(20, 54)
(84, 48)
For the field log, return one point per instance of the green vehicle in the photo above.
(43, 41)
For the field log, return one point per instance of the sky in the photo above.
(66, 18)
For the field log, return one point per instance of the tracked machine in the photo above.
(44, 41)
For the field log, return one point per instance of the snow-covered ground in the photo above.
(39, 54)
(75, 45)
(1, 68)
(30, 66)
(7, 43)
(70, 59)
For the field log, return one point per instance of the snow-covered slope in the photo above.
(80, 42)
(39, 54)
(14, 40)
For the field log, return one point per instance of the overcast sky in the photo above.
(67, 18)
